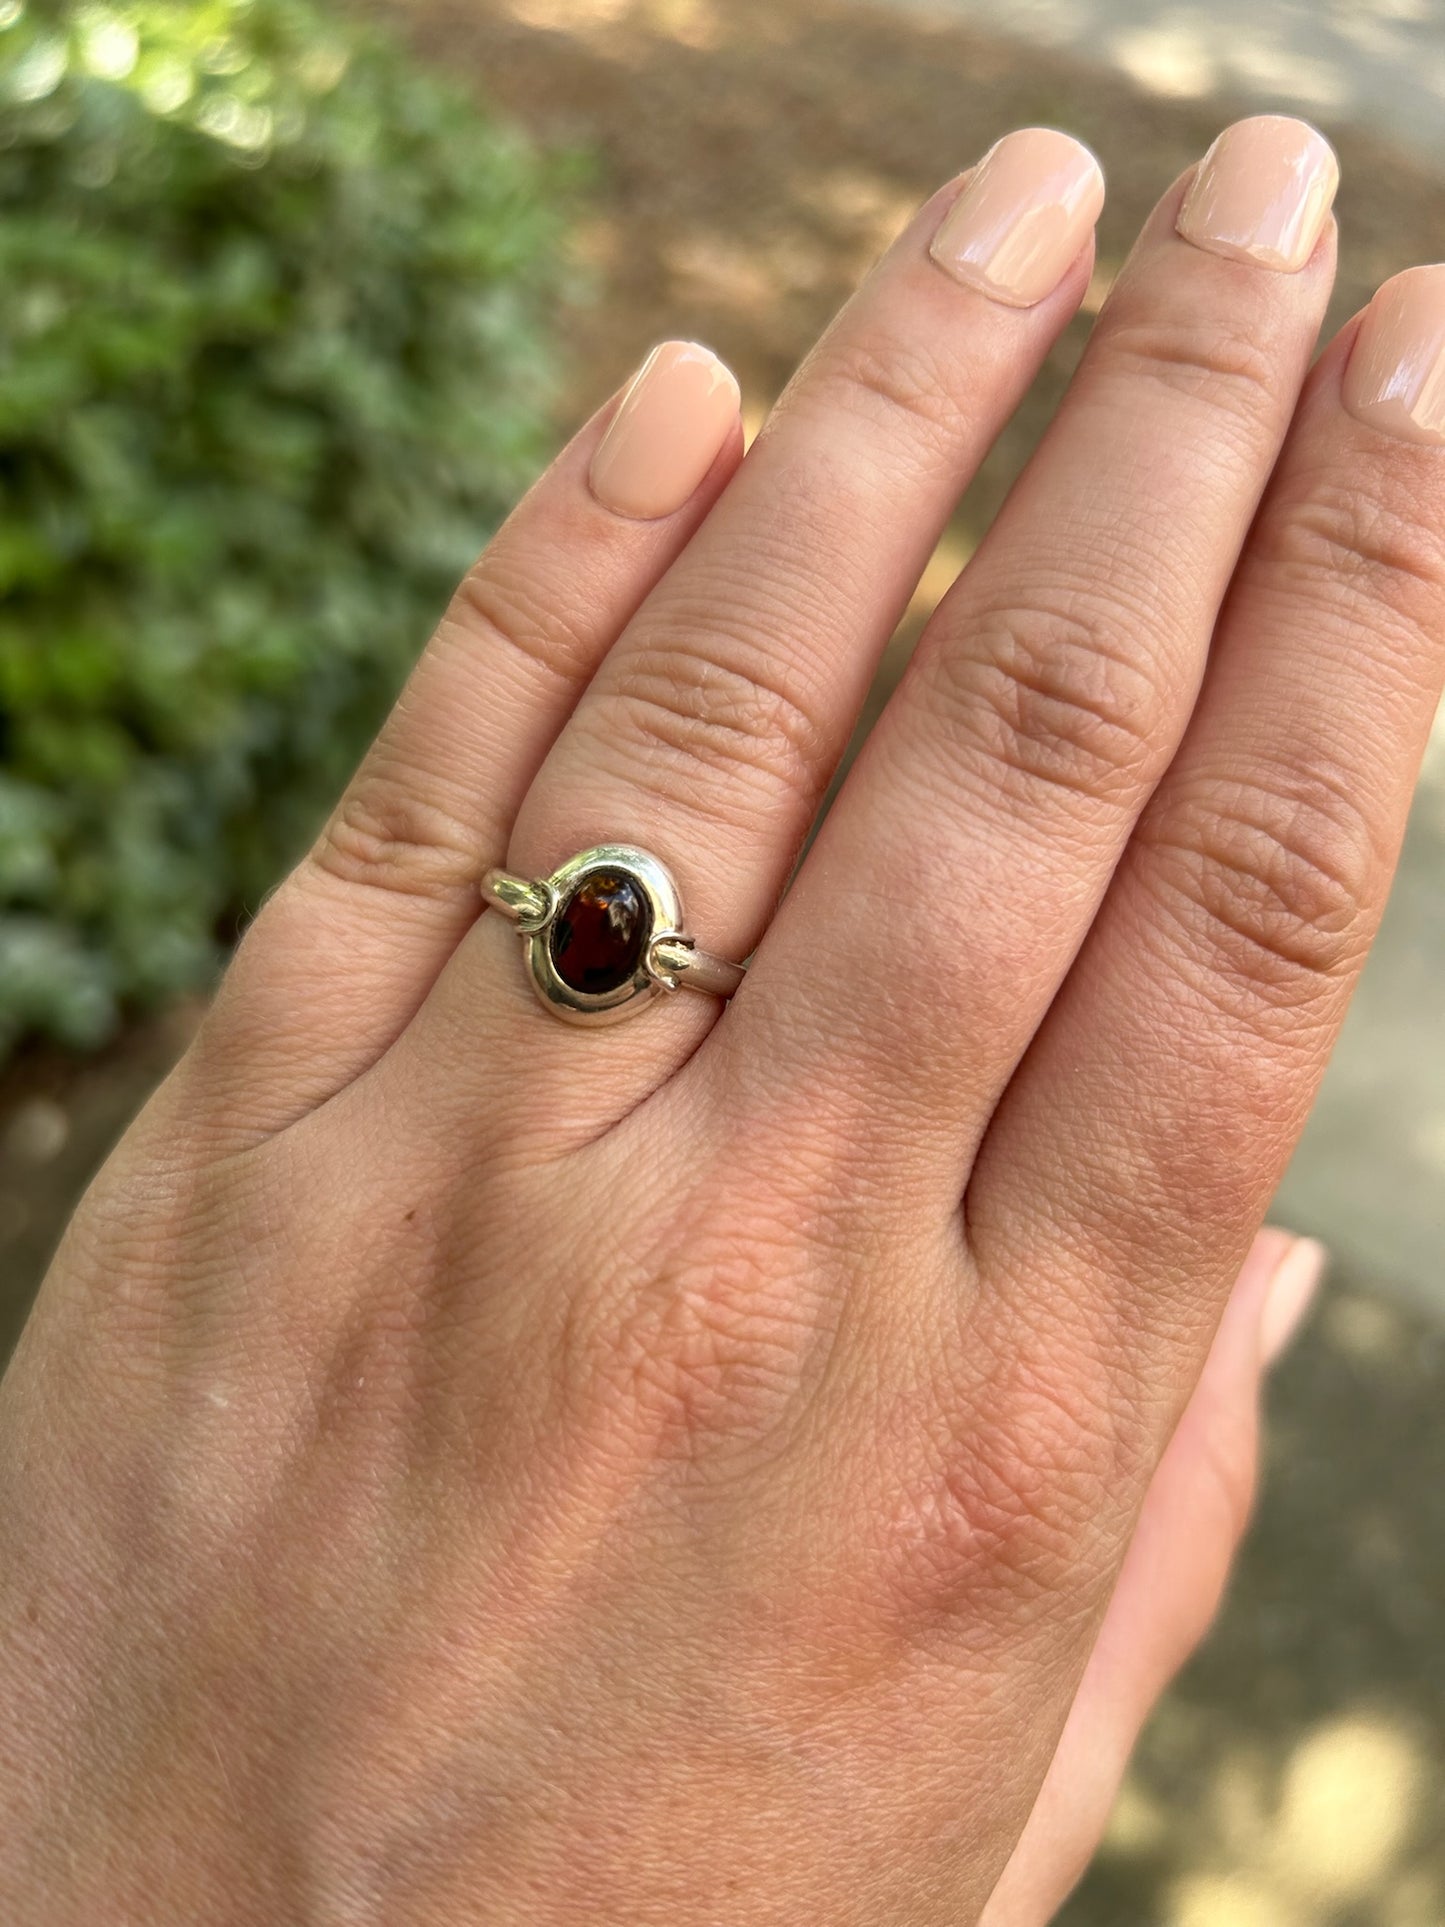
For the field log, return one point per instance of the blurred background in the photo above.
(297, 298)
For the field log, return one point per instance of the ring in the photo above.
(603, 935)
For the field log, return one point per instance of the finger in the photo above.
(346, 949)
(1172, 1580)
(1164, 1093)
(715, 724)
(970, 846)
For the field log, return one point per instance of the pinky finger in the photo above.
(1193, 1519)
(342, 955)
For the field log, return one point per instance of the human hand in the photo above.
(464, 1468)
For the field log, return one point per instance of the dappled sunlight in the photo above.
(594, 245)
(570, 16)
(1293, 1844)
(1177, 58)
(1430, 1140)
(1139, 1823)
(1100, 282)
(1364, 1330)
(696, 23)
(1431, 795)
(1348, 1805)
(1228, 1900)
(1379, 62)
(1293, 1777)
(1185, 57)
(1280, 70)
(199, 70)
(741, 279)
(944, 567)
(711, 271)
(692, 23)
(867, 204)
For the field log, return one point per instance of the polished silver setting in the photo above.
(668, 960)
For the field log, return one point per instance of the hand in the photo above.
(465, 1468)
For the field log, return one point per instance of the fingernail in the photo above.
(1291, 1293)
(668, 431)
(1262, 193)
(1395, 377)
(1020, 222)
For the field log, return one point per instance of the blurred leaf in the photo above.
(273, 364)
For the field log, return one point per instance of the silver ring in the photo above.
(603, 935)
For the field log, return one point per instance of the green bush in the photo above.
(273, 363)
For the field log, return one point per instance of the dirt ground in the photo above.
(752, 157)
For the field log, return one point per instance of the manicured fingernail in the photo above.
(1291, 1293)
(1262, 193)
(668, 431)
(1395, 377)
(1021, 220)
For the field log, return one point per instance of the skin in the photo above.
(708, 1470)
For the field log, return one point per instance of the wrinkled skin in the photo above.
(466, 1469)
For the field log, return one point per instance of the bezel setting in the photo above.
(650, 978)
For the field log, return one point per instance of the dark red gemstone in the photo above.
(599, 932)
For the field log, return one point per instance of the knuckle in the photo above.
(1275, 878)
(530, 620)
(888, 382)
(1203, 358)
(712, 1352)
(1012, 1508)
(384, 834)
(1052, 696)
(682, 708)
(1340, 538)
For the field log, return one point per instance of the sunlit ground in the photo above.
(1377, 61)
(1294, 1777)
(1292, 1844)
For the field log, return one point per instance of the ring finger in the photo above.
(714, 726)
(346, 949)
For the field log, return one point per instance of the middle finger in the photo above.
(713, 727)
(973, 841)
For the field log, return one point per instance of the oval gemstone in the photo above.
(598, 934)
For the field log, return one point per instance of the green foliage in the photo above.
(273, 363)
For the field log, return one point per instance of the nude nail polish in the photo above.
(1022, 216)
(1395, 376)
(668, 431)
(1262, 193)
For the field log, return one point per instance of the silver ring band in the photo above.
(604, 935)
